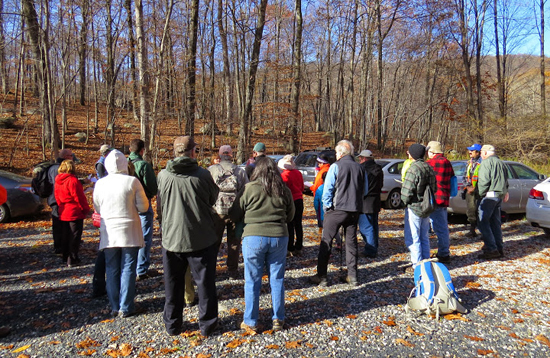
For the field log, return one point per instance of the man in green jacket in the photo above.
(492, 187)
(185, 202)
(146, 175)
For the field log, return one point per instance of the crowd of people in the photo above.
(261, 209)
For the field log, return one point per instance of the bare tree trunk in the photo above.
(226, 69)
(191, 68)
(542, 65)
(133, 72)
(3, 72)
(143, 76)
(295, 94)
(254, 62)
(83, 50)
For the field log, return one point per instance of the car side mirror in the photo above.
(542, 177)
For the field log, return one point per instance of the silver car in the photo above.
(21, 197)
(521, 179)
(391, 190)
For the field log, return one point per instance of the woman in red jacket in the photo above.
(295, 182)
(73, 208)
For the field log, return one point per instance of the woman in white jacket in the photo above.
(119, 198)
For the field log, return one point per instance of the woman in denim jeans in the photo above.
(265, 206)
(119, 198)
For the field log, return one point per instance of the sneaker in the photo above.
(319, 280)
(248, 328)
(278, 325)
(142, 277)
(350, 280)
(489, 255)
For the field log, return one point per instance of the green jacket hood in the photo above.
(182, 165)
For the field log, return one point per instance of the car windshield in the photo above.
(459, 167)
(306, 159)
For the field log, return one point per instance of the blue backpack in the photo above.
(434, 290)
(454, 186)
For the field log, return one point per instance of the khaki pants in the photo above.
(471, 211)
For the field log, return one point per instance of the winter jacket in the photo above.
(375, 177)
(443, 172)
(263, 215)
(345, 186)
(145, 173)
(318, 205)
(323, 168)
(492, 177)
(419, 175)
(52, 174)
(70, 197)
(119, 198)
(295, 182)
(217, 171)
(185, 202)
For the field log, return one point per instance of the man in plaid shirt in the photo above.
(443, 172)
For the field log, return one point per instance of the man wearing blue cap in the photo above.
(469, 183)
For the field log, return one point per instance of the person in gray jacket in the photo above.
(185, 199)
(492, 187)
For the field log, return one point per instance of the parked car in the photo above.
(391, 190)
(521, 179)
(538, 206)
(21, 197)
(306, 163)
(275, 157)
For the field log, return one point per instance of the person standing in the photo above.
(73, 208)
(100, 164)
(146, 175)
(257, 152)
(492, 187)
(230, 179)
(295, 182)
(323, 163)
(470, 183)
(265, 206)
(368, 219)
(119, 198)
(419, 175)
(443, 172)
(345, 186)
(185, 202)
(57, 226)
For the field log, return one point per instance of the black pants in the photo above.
(334, 219)
(203, 269)
(72, 235)
(296, 226)
(98, 282)
(57, 230)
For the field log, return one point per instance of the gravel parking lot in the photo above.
(51, 314)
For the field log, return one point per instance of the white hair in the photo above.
(343, 148)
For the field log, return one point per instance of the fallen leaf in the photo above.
(87, 352)
(484, 352)
(504, 328)
(201, 355)
(235, 343)
(126, 349)
(334, 338)
(410, 330)
(272, 346)
(514, 311)
(517, 320)
(404, 342)
(481, 314)
(351, 316)
(23, 356)
(54, 342)
(389, 323)
(542, 339)
(453, 316)
(87, 343)
(21, 349)
(115, 338)
(293, 344)
(108, 320)
(473, 338)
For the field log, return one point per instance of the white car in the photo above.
(538, 206)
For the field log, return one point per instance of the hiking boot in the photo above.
(142, 277)
(368, 255)
(233, 274)
(278, 325)
(350, 280)
(297, 253)
(489, 255)
(444, 259)
(319, 280)
(248, 328)
(472, 232)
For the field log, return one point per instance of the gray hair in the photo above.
(343, 148)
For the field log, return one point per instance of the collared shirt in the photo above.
(443, 172)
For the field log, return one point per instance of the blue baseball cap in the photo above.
(475, 147)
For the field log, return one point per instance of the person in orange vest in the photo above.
(324, 164)
(469, 183)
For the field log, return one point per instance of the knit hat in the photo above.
(475, 146)
(417, 151)
(184, 144)
(434, 147)
(259, 147)
(287, 162)
(225, 150)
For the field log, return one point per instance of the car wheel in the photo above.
(394, 199)
(4, 213)
(547, 232)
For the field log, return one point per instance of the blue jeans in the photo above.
(258, 252)
(144, 256)
(416, 236)
(120, 264)
(368, 226)
(488, 223)
(438, 219)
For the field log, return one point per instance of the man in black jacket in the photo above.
(368, 220)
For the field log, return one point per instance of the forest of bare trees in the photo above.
(378, 72)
